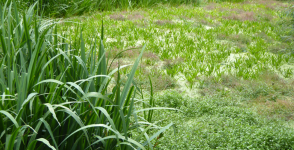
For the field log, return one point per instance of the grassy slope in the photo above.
(234, 59)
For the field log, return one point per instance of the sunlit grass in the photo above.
(230, 66)
(234, 57)
(210, 42)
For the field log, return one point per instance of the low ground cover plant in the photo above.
(216, 122)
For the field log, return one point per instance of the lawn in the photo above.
(218, 75)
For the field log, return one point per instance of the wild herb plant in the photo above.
(54, 94)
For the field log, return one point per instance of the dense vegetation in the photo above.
(76, 7)
(206, 78)
(56, 94)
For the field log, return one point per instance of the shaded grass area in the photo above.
(67, 8)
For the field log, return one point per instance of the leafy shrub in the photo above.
(170, 98)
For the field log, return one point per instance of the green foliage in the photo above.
(77, 7)
(54, 95)
(226, 1)
(69, 104)
(201, 42)
(62, 8)
(222, 123)
(171, 99)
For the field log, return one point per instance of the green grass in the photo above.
(226, 68)
(58, 95)
(67, 8)
(232, 73)
(202, 41)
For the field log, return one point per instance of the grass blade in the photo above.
(10, 117)
(90, 126)
(46, 142)
(11, 139)
(50, 132)
(158, 133)
(130, 78)
(51, 110)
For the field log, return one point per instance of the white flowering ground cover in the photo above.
(227, 67)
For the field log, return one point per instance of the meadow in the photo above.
(177, 74)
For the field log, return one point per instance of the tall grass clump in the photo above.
(55, 97)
